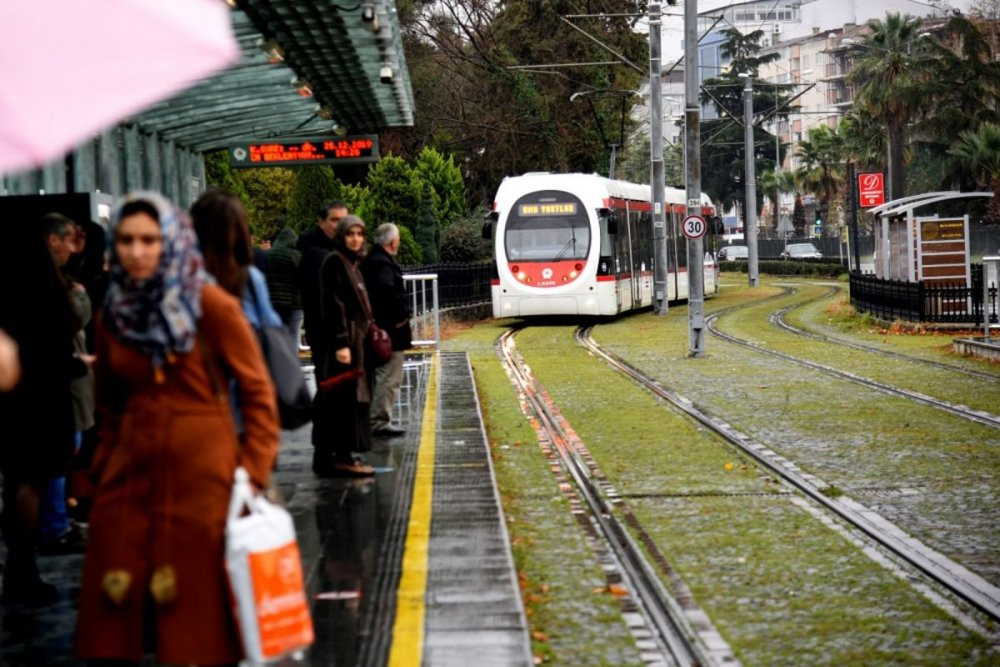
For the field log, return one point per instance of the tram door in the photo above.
(610, 250)
(635, 256)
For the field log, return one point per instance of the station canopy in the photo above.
(305, 69)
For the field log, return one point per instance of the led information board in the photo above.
(558, 208)
(324, 150)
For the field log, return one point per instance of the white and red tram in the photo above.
(582, 244)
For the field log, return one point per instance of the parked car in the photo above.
(733, 252)
(801, 251)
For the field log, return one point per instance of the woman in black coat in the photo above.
(341, 408)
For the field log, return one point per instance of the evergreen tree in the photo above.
(409, 253)
(218, 174)
(447, 185)
(270, 189)
(463, 240)
(315, 186)
(393, 193)
(427, 224)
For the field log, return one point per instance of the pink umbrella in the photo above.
(68, 69)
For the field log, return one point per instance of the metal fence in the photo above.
(917, 302)
(459, 284)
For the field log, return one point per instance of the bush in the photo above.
(463, 241)
(789, 268)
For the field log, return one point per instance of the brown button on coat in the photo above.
(164, 467)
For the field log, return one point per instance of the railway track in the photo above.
(951, 576)
(978, 416)
(777, 318)
(682, 632)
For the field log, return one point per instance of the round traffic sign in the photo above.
(694, 227)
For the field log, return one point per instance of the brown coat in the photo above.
(164, 467)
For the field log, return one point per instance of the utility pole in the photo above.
(657, 186)
(750, 187)
(692, 152)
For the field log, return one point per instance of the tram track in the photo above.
(681, 630)
(777, 319)
(963, 411)
(960, 582)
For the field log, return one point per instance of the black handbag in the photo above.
(294, 401)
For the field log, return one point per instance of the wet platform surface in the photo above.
(353, 534)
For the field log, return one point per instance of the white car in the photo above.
(733, 253)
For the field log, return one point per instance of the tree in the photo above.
(218, 174)
(447, 185)
(315, 186)
(270, 189)
(722, 148)
(409, 253)
(427, 225)
(499, 121)
(822, 157)
(790, 180)
(979, 152)
(768, 183)
(463, 240)
(890, 72)
(393, 193)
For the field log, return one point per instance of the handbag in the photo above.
(265, 576)
(294, 401)
(378, 345)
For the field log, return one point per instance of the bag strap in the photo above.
(363, 291)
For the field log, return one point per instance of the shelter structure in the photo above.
(926, 249)
(305, 69)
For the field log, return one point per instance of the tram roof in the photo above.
(324, 44)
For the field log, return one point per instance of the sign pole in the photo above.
(852, 179)
(692, 149)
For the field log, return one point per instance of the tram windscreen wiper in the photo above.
(571, 243)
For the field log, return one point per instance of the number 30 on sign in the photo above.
(694, 226)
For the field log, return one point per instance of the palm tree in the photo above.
(791, 180)
(890, 73)
(821, 155)
(978, 151)
(768, 184)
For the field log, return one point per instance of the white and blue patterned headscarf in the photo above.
(160, 315)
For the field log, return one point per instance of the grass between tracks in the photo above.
(781, 588)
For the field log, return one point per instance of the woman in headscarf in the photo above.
(167, 342)
(340, 417)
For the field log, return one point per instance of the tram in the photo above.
(582, 244)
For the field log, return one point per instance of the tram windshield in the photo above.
(547, 226)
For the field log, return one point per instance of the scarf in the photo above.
(159, 315)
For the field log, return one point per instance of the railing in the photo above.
(918, 302)
(425, 308)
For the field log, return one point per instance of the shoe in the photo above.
(36, 593)
(388, 432)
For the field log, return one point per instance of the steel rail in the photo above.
(679, 643)
(961, 582)
(978, 416)
(777, 318)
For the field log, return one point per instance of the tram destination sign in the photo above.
(322, 150)
(547, 208)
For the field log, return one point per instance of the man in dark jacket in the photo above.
(315, 244)
(283, 282)
(384, 282)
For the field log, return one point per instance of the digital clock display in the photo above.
(327, 150)
(554, 208)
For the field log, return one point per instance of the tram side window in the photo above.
(645, 253)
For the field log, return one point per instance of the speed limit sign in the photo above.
(694, 226)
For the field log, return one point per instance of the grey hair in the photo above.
(386, 233)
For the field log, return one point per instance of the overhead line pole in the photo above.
(656, 177)
(692, 147)
(750, 187)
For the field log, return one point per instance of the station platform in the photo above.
(410, 567)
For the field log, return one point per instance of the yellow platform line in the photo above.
(408, 627)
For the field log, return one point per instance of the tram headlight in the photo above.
(521, 276)
(573, 274)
